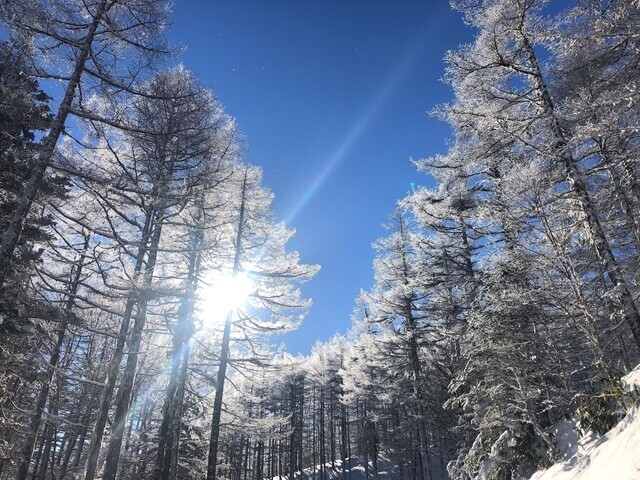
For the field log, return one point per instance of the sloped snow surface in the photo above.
(354, 470)
(613, 456)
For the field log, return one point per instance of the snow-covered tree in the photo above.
(270, 275)
(88, 46)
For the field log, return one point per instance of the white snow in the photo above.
(632, 379)
(565, 434)
(354, 469)
(615, 455)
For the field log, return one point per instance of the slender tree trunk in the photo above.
(414, 360)
(174, 431)
(323, 454)
(169, 404)
(50, 441)
(43, 394)
(217, 402)
(11, 235)
(292, 427)
(610, 267)
(301, 426)
(314, 440)
(280, 450)
(114, 366)
(124, 396)
(260, 460)
(332, 431)
(169, 437)
(140, 468)
(87, 415)
(419, 397)
(365, 440)
(224, 350)
(245, 469)
(77, 432)
(344, 439)
(128, 377)
(81, 442)
(270, 459)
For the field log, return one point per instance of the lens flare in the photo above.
(354, 134)
(222, 294)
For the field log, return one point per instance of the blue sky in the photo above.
(333, 98)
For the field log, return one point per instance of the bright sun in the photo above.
(223, 293)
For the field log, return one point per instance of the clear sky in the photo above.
(333, 98)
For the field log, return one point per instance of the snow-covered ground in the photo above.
(354, 470)
(613, 456)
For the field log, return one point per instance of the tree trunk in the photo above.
(128, 377)
(114, 366)
(610, 267)
(224, 350)
(174, 431)
(414, 360)
(217, 402)
(344, 439)
(169, 437)
(49, 443)
(11, 235)
(43, 394)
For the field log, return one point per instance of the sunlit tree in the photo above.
(87, 46)
(258, 267)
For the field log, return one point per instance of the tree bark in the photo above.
(114, 366)
(128, 377)
(11, 235)
(43, 394)
(224, 350)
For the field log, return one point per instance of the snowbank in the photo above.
(354, 469)
(615, 455)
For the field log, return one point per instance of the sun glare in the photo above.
(222, 294)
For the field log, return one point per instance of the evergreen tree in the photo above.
(24, 117)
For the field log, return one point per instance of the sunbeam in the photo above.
(400, 73)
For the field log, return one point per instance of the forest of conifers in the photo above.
(505, 298)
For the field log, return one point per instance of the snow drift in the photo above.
(615, 455)
(354, 469)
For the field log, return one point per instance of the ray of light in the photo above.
(395, 80)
